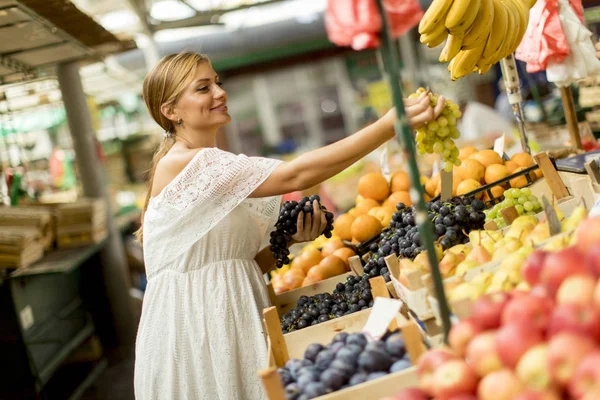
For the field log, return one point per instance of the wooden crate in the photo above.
(34, 217)
(283, 347)
(85, 211)
(20, 246)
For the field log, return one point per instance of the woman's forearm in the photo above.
(318, 165)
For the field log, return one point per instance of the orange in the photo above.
(358, 199)
(522, 159)
(342, 226)
(455, 182)
(344, 254)
(301, 263)
(521, 181)
(316, 273)
(432, 184)
(495, 172)
(331, 246)
(466, 151)
(383, 214)
(397, 197)
(293, 279)
(400, 182)
(511, 166)
(312, 257)
(364, 206)
(471, 169)
(332, 266)
(487, 157)
(497, 191)
(365, 227)
(374, 186)
(467, 186)
(352, 212)
(538, 173)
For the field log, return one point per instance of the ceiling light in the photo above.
(171, 10)
(119, 20)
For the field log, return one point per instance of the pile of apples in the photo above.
(537, 345)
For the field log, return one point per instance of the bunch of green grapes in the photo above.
(438, 135)
(524, 201)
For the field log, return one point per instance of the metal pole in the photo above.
(403, 134)
(513, 91)
(114, 263)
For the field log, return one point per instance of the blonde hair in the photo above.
(163, 86)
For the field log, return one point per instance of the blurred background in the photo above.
(74, 132)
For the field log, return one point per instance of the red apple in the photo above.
(558, 266)
(453, 378)
(588, 234)
(412, 394)
(499, 385)
(565, 351)
(539, 291)
(482, 354)
(577, 289)
(587, 376)
(429, 363)
(532, 268)
(584, 320)
(538, 395)
(533, 369)
(597, 296)
(461, 334)
(513, 340)
(487, 310)
(528, 310)
(592, 260)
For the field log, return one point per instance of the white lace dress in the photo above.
(201, 334)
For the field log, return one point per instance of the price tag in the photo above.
(436, 168)
(595, 211)
(499, 145)
(383, 313)
(26, 316)
(553, 222)
(384, 161)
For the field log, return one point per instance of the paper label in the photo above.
(595, 211)
(384, 161)
(383, 313)
(499, 145)
(26, 316)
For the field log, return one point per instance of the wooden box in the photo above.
(33, 217)
(283, 347)
(81, 223)
(20, 246)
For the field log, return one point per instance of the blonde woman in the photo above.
(207, 213)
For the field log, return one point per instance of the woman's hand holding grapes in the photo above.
(310, 225)
(418, 111)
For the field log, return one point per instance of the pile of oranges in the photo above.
(483, 167)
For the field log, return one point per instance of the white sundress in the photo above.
(201, 335)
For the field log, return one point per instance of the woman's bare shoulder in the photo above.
(170, 166)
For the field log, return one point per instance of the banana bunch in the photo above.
(478, 33)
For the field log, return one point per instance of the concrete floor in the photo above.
(115, 382)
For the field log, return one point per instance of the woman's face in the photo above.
(203, 104)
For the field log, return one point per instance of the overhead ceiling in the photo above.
(40, 33)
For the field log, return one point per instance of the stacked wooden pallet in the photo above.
(20, 246)
(81, 223)
(39, 218)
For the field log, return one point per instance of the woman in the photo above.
(200, 335)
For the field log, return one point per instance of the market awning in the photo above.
(40, 33)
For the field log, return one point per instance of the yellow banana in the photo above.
(481, 27)
(484, 68)
(530, 3)
(434, 16)
(461, 15)
(452, 47)
(519, 27)
(497, 33)
(524, 21)
(435, 37)
(467, 63)
(453, 65)
(512, 31)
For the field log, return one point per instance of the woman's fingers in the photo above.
(299, 227)
(307, 225)
(323, 224)
(439, 107)
(316, 221)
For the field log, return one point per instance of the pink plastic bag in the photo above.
(544, 38)
(357, 23)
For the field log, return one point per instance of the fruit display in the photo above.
(352, 296)
(485, 167)
(452, 221)
(522, 199)
(437, 136)
(541, 344)
(478, 33)
(286, 226)
(348, 360)
(319, 260)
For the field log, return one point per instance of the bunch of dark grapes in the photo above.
(452, 219)
(349, 360)
(286, 226)
(347, 298)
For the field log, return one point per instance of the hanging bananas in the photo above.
(478, 33)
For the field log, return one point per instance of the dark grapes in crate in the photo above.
(452, 221)
(348, 360)
(286, 226)
(347, 298)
